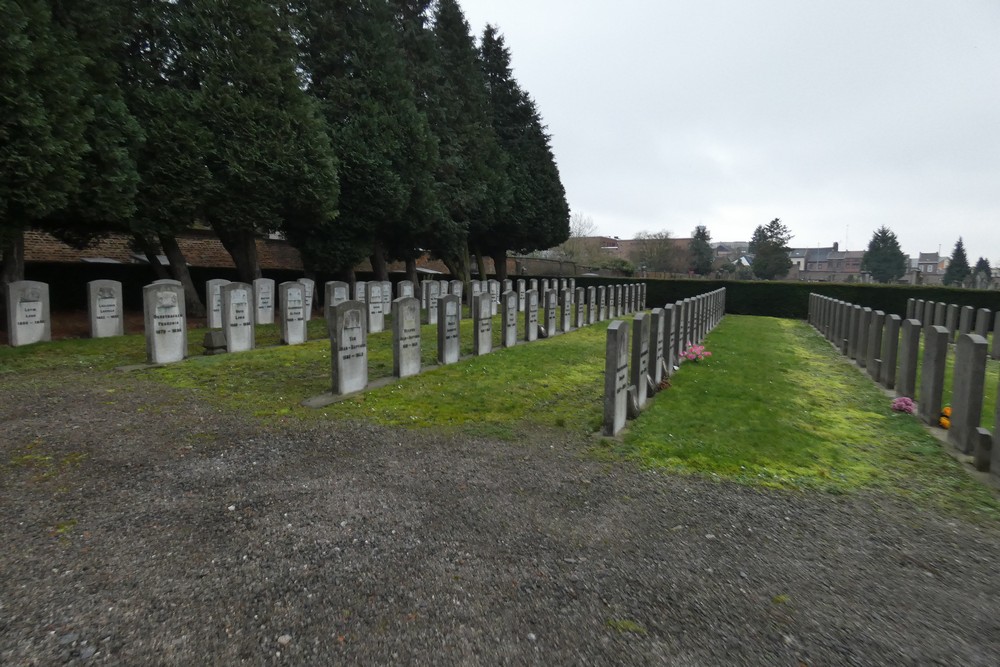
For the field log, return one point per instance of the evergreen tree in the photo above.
(702, 255)
(958, 268)
(884, 259)
(47, 115)
(769, 246)
(356, 66)
(536, 216)
(982, 274)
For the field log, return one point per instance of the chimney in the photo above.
(836, 246)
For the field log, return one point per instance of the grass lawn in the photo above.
(775, 405)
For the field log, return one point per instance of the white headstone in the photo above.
(28, 313)
(482, 321)
(494, 289)
(405, 337)
(291, 312)
(616, 377)
(565, 310)
(376, 316)
(263, 291)
(522, 287)
(237, 317)
(213, 302)
(348, 347)
(166, 326)
(509, 315)
(104, 301)
(405, 288)
(433, 294)
(531, 315)
(386, 297)
(448, 339)
(360, 291)
(310, 288)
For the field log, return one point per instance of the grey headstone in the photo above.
(531, 315)
(918, 308)
(940, 308)
(983, 451)
(865, 323)
(550, 313)
(656, 346)
(373, 307)
(166, 322)
(494, 290)
(640, 357)
(965, 319)
(348, 347)
(507, 286)
(386, 297)
(591, 305)
(968, 384)
(910, 307)
(237, 317)
(433, 294)
(482, 323)
(984, 319)
(533, 284)
(104, 308)
(951, 320)
(405, 288)
(602, 303)
(508, 314)
(616, 381)
(448, 331)
(995, 351)
(360, 291)
(263, 293)
(581, 308)
(909, 348)
(932, 373)
(308, 292)
(565, 310)
(854, 322)
(928, 319)
(405, 336)
(875, 331)
(522, 287)
(213, 302)
(890, 351)
(292, 312)
(678, 337)
(336, 292)
(669, 314)
(456, 288)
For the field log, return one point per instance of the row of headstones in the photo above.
(659, 341)
(347, 323)
(887, 347)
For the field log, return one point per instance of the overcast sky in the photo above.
(836, 116)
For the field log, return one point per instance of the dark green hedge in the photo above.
(791, 299)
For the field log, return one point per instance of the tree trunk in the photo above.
(179, 270)
(377, 259)
(151, 256)
(500, 265)
(242, 247)
(481, 263)
(11, 267)
(411, 270)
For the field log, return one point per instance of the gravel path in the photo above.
(192, 536)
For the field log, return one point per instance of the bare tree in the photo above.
(655, 251)
(580, 247)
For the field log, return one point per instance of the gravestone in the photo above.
(965, 319)
(444, 288)
(909, 347)
(656, 347)
(590, 299)
(918, 311)
(237, 317)
(360, 291)
(509, 317)
(875, 331)
(928, 320)
(669, 315)
(940, 308)
(969, 381)
(565, 311)
(386, 298)
(348, 347)
(448, 331)
(456, 288)
(852, 331)
(104, 307)
(475, 289)
(642, 296)
(522, 287)
(28, 318)
(213, 302)
(890, 350)
(602, 303)
(863, 326)
(531, 315)
(680, 317)
(494, 290)
(373, 307)
(533, 284)
(983, 322)
(571, 284)
(308, 291)
(932, 373)
(263, 294)
(995, 354)
(165, 320)
(550, 313)
(433, 294)
(581, 308)
(640, 358)
(482, 323)
(291, 312)
(507, 286)
(615, 377)
(336, 292)
(910, 307)
(951, 320)
(405, 288)
(405, 337)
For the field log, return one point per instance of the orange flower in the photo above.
(944, 422)
(946, 412)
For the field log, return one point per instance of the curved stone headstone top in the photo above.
(405, 336)
(449, 318)
(310, 288)
(291, 312)
(263, 291)
(104, 308)
(405, 288)
(213, 302)
(374, 310)
(28, 313)
(348, 347)
(165, 318)
(238, 317)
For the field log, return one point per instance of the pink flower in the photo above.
(904, 404)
